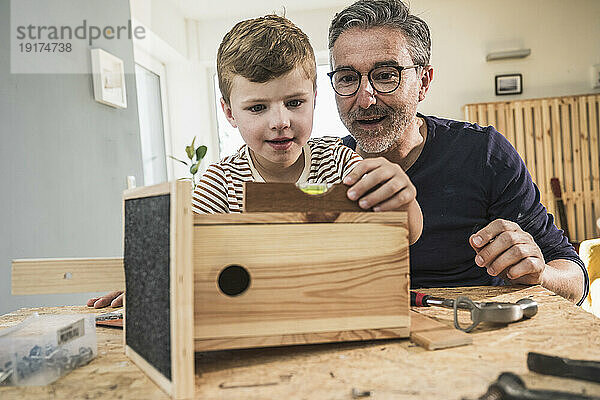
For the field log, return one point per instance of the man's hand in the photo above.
(504, 249)
(394, 190)
(114, 299)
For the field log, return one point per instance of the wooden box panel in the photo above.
(320, 279)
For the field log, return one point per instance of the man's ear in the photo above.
(228, 114)
(426, 79)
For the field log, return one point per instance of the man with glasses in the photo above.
(483, 222)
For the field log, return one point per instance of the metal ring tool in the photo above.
(493, 312)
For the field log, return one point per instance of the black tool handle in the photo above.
(564, 367)
(511, 387)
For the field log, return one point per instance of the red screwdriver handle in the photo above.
(418, 299)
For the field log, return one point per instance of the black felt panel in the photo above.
(146, 260)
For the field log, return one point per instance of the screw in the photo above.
(36, 351)
(5, 376)
(55, 358)
(23, 369)
(357, 394)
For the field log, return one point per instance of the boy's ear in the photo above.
(228, 114)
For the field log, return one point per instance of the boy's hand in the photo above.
(114, 299)
(394, 189)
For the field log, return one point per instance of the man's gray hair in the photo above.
(367, 14)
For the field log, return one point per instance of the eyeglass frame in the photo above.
(399, 68)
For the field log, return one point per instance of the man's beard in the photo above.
(388, 135)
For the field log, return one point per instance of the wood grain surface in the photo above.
(304, 278)
(67, 275)
(266, 197)
(391, 369)
(433, 335)
(303, 338)
(147, 191)
(394, 218)
(182, 291)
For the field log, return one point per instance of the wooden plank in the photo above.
(593, 102)
(149, 370)
(182, 291)
(289, 340)
(510, 125)
(147, 191)
(579, 228)
(300, 326)
(482, 115)
(568, 193)
(586, 176)
(529, 135)
(540, 162)
(491, 114)
(501, 122)
(67, 275)
(433, 335)
(557, 141)
(470, 113)
(422, 323)
(520, 131)
(124, 337)
(392, 218)
(266, 197)
(548, 162)
(441, 339)
(303, 278)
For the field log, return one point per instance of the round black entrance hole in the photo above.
(234, 280)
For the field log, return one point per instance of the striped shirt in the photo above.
(221, 188)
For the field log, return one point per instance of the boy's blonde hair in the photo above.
(262, 49)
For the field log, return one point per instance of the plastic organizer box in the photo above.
(43, 348)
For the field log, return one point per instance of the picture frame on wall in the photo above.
(509, 84)
(109, 79)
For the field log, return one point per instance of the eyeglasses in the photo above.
(346, 81)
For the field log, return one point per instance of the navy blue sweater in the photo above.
(466, 177)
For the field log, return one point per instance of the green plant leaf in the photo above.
(190, 152)
(194, 168)
(177, 159)
(200, 153)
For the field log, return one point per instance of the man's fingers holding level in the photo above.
(362, 168)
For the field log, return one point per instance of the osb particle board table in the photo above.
(391, 369)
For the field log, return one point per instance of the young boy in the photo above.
(267, 76)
